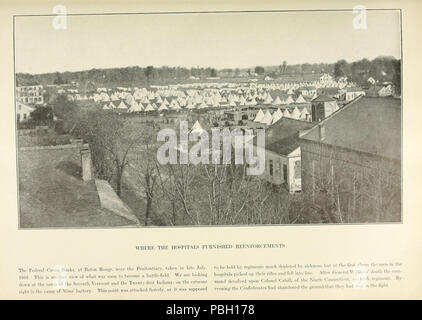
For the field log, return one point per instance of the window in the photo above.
(285, 173)
(297, 173)
(271, 167)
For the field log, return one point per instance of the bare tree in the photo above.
(111, 143)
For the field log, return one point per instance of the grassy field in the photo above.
(52, 193)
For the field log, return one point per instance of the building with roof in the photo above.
(30, 94)
(323, 106)
(351, 93)
(351, 162)
(23, 111)
(282, 153)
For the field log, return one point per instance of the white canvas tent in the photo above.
(122, 105)
(259, 116)
(267, 119)
(277, 116)
(277, 101)
(295, 113)
(149, 108)
(135, 107)
(163, 107)
(197, 128)
(268, 99)
(300, 99)
(289, 100)
(304, 114)
(286, 113)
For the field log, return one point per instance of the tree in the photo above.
(341, 68)
(397, 76)
(110, 141)
(149, 72)
(284, 66)
(42, 115)
(59, 79)
(68, 112)
(143, 169)
(213, 73)
(259, 70)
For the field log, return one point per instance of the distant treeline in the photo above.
(381, 69)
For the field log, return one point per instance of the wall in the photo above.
(366, 187)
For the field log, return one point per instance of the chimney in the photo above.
(321, 130)
(86, 164)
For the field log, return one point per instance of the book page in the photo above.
(219, 150)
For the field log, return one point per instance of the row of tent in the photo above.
(176, 104)
(268, 119)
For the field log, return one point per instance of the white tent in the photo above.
(174, 105)
(232, 103)
(190, 105)
(135, 107)
(197, 127)
(242, 101)
(277, 116)
(277, 101)
(203, 105)
(289, 100)
(300, 99)
(259, 116)
(286, 113)
(267, 119)
(112, 105)
(252, 102)
(122, 105)
(268, 99)
(149, 107)
(295, 113)
(304, 114)
(163, 107)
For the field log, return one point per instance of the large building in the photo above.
(351, 162)
(23, 111)
(30, 94)
(283, 154)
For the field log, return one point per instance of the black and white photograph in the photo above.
(193, 119)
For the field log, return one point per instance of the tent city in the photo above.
(145, 120)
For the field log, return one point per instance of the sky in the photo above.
(218, 40)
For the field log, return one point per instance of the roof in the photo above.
(323, 98)
(328, 90)
(371, 125)
(282, 137)
(354, 89)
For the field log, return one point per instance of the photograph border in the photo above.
(208, 12)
